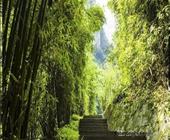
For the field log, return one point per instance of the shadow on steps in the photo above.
(96, 128)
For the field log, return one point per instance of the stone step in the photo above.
(96, 128)
(104, 137)
(93, 124)
(91, 116)
(92, 127)
(96, 132)
(95, 120)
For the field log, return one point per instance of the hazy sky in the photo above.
(110, 25)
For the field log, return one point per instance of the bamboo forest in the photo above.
(85, 70)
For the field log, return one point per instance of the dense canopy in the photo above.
(51, 76)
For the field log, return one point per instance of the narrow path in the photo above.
(96, 128)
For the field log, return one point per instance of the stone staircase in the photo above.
(96, 128)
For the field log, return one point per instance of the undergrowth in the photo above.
(70, 131)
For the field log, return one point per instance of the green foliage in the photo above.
(92, 86)
(70, 131)
(22, 22)
(139, 87)
(95, 17)
(66, 80)
(75, 117)
(71, 37)
(68, 83)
